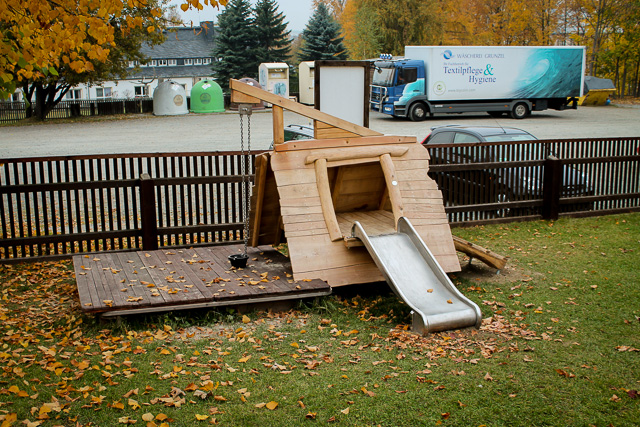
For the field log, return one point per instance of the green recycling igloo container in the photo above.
(207, 97)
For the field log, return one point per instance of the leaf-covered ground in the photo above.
(558, 346)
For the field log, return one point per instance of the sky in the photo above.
(297, 13)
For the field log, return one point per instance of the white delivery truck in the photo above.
(497, 80)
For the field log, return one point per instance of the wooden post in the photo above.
(278, 124)
(148, 216)
(551, 188)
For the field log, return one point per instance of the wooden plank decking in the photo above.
(113, 284)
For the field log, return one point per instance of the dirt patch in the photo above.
(477, 271)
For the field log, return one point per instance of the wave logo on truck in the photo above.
(447, 54)
(545, 75)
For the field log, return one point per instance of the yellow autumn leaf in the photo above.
(244, 359)
(345, 411)
(201, 417)
(246, 319)
(148, 417)
(133, 403)
(295, 345)
(184, 7)
(272, 405)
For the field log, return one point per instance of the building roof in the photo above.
(184, 42)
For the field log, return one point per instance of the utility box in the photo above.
(169, 99)
(306, 73)
(274, 78)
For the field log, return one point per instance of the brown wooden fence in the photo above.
(65, 205)
(498, 182)
(16, 111)
(75, 204)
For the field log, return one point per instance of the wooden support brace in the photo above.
(324, 190)
(487, 256)
(238, 88)
(392, 186)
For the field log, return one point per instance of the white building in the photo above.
(185, 57)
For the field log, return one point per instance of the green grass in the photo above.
(558, 347)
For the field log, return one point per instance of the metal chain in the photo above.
(245, 177)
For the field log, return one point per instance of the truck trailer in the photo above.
(458, 79)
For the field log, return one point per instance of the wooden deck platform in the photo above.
(121, 283)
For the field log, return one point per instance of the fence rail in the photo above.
(57, 206)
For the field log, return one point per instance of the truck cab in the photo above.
(390, 80)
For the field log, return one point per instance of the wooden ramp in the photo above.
(120, 283)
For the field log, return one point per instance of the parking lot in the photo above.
(221, 132)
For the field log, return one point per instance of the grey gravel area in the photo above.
(221, 132)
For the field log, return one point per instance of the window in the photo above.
(198, 61)
(153, 63)
(407, 75)
(142, 90)
(104, 92)
(188, 61)
(172, 62)
(162, 62)
(465, 137)
(74, 94)
(206, 61)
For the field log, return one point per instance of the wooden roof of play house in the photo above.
(312, 191)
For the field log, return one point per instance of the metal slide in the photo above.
(415, 276)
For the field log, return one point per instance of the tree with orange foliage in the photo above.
(40, 38)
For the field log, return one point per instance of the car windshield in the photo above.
(509, 137)
(383, 77)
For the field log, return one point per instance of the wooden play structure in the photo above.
(312, 191)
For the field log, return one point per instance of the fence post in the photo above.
(551, 188)
(148, 217)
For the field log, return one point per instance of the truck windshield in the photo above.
(383, 77)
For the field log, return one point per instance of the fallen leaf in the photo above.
(272, 405)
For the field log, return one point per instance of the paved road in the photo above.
(221, 132)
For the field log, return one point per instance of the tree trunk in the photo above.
(637, 82)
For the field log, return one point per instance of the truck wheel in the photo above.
(418, 112)
(520, 111)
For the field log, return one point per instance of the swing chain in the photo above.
(245, 109)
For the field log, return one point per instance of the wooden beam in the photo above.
(337, 154)
(278, 124)
(392, 186)
(259, 186)
(324, 190)
(487, 256)
(344, 142)
(238, 86)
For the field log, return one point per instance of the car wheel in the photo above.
(520, 111)
(418, 112)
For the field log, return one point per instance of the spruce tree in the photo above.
(321, 37)
(272, 37)
(234, 51)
